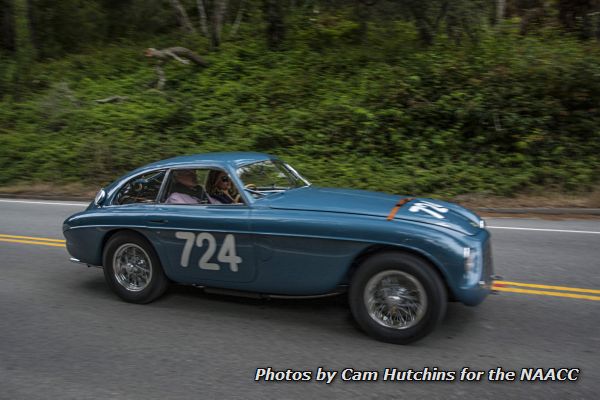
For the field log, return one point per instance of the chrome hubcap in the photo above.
(395, 299)
(132, 267)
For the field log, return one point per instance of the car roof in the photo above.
(234, 159)
(223, 160)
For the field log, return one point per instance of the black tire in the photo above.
(148, 289)
(398, 272)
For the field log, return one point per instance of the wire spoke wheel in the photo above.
(132, 267)
(395, 299)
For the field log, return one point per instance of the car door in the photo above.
(298, 253)
(205, 244)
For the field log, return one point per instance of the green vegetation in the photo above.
(348, 105)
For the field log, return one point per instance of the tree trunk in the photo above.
(238, 19)
(220, 7)
(500, 9)
(362, 14)
(23, 36)
(579, 16)
(184, 20)
(530, 16)
(7, 28)
(273, 14)
(202, 14)
(419, 11)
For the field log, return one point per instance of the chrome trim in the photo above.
(163, 187)
(259, 295)
(306, 297)
(118, 187)
(293, 170)
(78, 261)
(100, 197)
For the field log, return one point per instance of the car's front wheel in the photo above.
(397, 297)
(132, 268)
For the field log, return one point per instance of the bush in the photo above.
(503, 115)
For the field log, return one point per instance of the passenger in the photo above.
(219, 188)
(185, 188)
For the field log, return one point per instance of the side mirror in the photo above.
(100, 196)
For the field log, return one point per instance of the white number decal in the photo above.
(212, 244)
(430, 208)
(227, 253)
(187, 248)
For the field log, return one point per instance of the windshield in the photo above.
(271, 176)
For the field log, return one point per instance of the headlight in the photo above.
(469, 255)
(477, 223)
(472, 268)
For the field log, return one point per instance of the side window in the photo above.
(200, 186)
(186, 186)
(141, 189)
(221, 189)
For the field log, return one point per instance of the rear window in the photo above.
(141, 189)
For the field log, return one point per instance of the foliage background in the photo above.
(353, 96)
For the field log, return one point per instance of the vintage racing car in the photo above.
(248, 223)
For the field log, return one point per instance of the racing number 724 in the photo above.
(226, 254)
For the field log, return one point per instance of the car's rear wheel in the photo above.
(132, 268)
(397, 297)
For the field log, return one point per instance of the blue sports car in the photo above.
(250, 224)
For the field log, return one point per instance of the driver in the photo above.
(185, 189)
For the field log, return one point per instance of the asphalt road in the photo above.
(64, 335)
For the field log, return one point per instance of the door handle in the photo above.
(158, 221)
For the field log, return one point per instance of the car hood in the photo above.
(361, 202)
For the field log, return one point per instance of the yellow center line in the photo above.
(3, 236)
(532, 285)
(32, 242)
(557, 291)
(546, 293)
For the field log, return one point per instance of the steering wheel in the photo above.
(251, 187)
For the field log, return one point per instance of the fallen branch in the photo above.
(112, 99)
(180, 54)
(177, 53)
